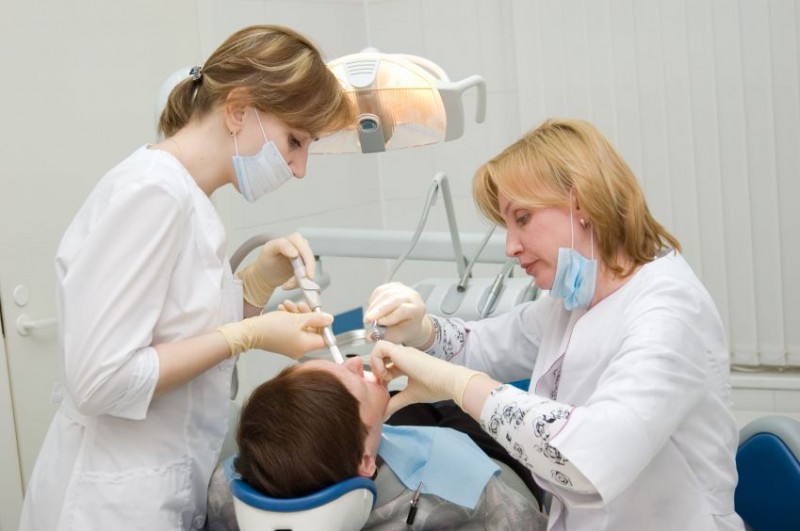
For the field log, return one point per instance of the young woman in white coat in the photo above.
(150, 314)
(627, 421)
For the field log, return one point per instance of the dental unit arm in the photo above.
(311, 294)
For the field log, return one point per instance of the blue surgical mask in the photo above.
(263, 172)
(576, 276)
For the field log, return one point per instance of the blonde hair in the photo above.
(281, 72)
(560, 157)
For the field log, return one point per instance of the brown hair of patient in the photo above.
(298, 433)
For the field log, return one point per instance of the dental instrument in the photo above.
(378, 332)
(311, 291)
(412, 511)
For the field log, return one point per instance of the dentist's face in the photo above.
(292, 143)
(534, 236)
(372, 396)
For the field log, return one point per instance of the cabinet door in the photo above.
(10, 479)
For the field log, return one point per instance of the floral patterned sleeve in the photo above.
(524, 424)
(451, 335)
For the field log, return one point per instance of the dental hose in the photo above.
(497, 287)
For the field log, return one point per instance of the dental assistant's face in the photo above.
(292, 143)
(372, 396)
(534, 236)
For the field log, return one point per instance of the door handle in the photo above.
(25, 325)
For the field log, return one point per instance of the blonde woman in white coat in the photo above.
(150, 314)
(626, 422)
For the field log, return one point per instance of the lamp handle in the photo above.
(451, 94)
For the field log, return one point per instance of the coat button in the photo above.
(199, 522)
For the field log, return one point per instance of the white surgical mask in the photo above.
(576, 276)
(263, 172)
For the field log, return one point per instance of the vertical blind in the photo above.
(702, 98)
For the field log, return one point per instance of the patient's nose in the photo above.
(355, 365)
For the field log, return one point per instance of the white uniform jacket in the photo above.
(142, 263)
(644, 379)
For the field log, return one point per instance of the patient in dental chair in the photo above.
(319, 423)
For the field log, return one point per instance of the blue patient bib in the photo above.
(447, 462)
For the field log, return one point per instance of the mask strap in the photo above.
(258, 118)
(572, 226)
(571, 220)
(235, 145)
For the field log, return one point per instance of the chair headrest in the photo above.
(785, 428)
(244, 492)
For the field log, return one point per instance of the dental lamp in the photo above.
(402, 101)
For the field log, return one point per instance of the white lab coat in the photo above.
(142, 263)
(647, 373)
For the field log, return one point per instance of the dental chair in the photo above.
(768, 462)
(344, 506)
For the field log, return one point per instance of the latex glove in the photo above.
(273, 268)
(429, 379)
(290, 334)
(402, 311)
(294, 307)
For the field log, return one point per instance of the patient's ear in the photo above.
(367, 466)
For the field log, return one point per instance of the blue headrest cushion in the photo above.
(243, 491)
(769, 483)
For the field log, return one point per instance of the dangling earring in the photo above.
(583, 223)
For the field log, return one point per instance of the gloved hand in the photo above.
(402, 310)
(429, 379)
(290, 334)
(294, 307)
(273, 268)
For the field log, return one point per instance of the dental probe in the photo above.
(311, 294)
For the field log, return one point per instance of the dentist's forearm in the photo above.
(475, 394)
(184, 360)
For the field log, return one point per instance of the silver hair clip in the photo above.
(196, 73)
